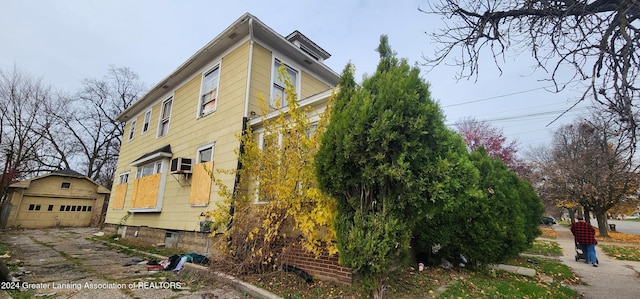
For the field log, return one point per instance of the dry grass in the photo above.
(618, 238)
(548, 232)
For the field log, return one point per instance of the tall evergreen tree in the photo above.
(386, 157)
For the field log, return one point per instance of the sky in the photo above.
(65, 41)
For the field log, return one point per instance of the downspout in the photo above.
(236, 183)
(248, 84)
(245, 122)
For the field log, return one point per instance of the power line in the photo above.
(529, 115)
(496, 97)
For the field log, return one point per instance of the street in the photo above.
(623, 226)
(62, 263)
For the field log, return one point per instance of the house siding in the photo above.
(243, 59)
(311, 85)
(260, 78)
(186, 133)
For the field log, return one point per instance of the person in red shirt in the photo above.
(585, 236)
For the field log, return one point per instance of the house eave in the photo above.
(216, 47)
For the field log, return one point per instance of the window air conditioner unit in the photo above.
(180, 165)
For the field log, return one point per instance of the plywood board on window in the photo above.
(145, 193)
(201, 184)
(119, 196)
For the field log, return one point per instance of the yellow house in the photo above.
(191, 120)
(62, 198)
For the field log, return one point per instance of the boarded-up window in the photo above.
(201, 184)
(119, 196)
(145, 191)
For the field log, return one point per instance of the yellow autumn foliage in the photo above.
(278, 203)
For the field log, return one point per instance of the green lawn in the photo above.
(546, 248)
(627, 253)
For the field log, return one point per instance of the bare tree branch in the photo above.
(599, 39)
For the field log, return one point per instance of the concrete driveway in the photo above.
(61, 263)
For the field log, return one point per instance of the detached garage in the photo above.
(62, 198)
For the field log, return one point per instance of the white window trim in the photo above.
(160, 119)
(132, 129)
(121, 175)
(274, 77)
(217, 65)
(204, 147)
(158, 167)
(145, 122)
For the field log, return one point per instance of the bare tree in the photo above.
(22, 107)
(599, 39)
(92, 135)
(588, 166)
(550, 183)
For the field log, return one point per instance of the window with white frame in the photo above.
(132, 129)
(123, 178)
(147, 120)
(149, 169)
(278, 94)
(205, 154)
(311, 130)
(165, 115)
(209, 96)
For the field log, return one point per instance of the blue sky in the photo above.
(64, 41)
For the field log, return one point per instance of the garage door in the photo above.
(40, 212)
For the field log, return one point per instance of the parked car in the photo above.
(635, 215)
(548, 220)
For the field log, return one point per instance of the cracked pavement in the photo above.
(62, 263)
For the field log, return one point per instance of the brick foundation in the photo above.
(323, 267)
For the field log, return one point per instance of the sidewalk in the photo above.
(611, 279)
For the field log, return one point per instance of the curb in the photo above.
(237, 284)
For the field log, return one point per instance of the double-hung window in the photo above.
(164, 117)
(132, 129)
(278, 90)
(147, 120)
(123, 178)
(209, 96)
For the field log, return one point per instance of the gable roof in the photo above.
(246, 25)
(24, 184)
(68, 172)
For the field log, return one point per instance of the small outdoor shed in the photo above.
(61, 198)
